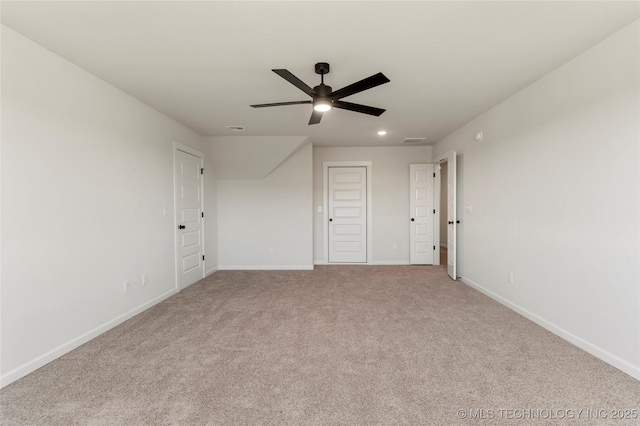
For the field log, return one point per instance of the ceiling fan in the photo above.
(322, 96)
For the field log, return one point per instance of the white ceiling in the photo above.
(203, 63)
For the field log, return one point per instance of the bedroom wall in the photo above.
(87, 171)
(554, 187)
(255, 215)
(390, 197)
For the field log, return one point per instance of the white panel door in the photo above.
(421, 206)
(188, 199)
(347, 214)
(451, 214)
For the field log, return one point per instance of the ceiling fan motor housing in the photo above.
(322, 90)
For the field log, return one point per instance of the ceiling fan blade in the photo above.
(295, 81)
(358, 108)
(281, 104)
(316, 116)
(367, 83)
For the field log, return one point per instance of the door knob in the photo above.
(181, 227)
(412, 219)
(330, 220)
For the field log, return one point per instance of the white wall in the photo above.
(255, 215)
(251, 157)
(86, 173)
(390, 197)
(554, 188)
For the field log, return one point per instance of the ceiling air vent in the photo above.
(236, 128)
(413, 141)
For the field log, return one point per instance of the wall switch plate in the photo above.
(319, 209)
(144, 279)
(394, 246)
(270, 250)
(127, 286)
(510, 277)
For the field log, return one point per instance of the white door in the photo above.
(451, 214)
(347, 214)
(421, 208)
(188, 208)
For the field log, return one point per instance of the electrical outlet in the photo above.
(270, 250)
(144, 279)
(510, 277)
(127, 286)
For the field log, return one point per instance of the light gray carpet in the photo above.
(340, 345)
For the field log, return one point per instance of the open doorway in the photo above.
(446, 187)
(442, 225)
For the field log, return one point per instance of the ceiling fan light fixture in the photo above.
(322, 105)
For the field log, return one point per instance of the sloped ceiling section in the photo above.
(251, 157)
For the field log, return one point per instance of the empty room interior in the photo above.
(319, 212)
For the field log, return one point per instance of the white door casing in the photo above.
(421, 208)
(188, 199)
(347, 205)
(451, 214)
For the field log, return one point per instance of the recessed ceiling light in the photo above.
(236, 128)
(382, 132)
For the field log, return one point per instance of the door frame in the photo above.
(325, 206)
(177, 146)
(437, 194)
(443, 158)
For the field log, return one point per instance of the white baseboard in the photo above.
(265, 267)
(34, 364)
(210, 271)
(620, 364)
(372, 263)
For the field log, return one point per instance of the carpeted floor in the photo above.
(340, 345)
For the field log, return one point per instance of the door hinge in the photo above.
(434, 211)
(434, 175)
(203, 257)
(201, 171)
(203, 213)
(434, 247)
